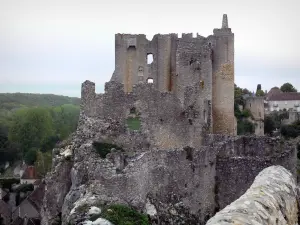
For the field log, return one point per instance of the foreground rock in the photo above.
(176, 186)
(271, 199)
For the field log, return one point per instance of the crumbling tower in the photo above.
(223, 80)
(199, 71)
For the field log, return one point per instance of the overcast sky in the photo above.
(53, 46)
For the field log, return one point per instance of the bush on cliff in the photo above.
(122, 215)
(104, 148)
(291, 131)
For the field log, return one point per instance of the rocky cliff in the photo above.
(172, 186)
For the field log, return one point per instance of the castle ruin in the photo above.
(189, 84)
(167, 164)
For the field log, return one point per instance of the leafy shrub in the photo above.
(291, 131)
(104, 148)
(123, 215)
(133, 123)
(30, 156)
(7, 183)
(245, 127)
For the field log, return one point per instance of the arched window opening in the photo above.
(149, 58)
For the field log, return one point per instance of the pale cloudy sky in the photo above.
(52, 46)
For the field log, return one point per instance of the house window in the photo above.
(285, 102)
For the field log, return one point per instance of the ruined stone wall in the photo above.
(256, 107)
(131, 67)
(164, 120)
(271, 199)
(178, 184)
(242, 158)
(193, 66)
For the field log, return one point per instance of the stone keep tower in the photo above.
(205, 64)
(223, 80)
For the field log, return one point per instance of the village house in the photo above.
(29, 209)
(5, 213)
(276, 100)
(29, 176)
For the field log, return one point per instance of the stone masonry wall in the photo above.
(256, 107)
(242, 158)
(271, 199)
(164, 121)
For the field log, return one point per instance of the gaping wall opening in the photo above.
(150, 80)
(149, 58)
(133, 120)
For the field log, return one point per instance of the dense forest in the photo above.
(32, 124)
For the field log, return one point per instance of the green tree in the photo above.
(288, 87)
(43, 162)
(31, 127)
(30, 156)
(269, 125)
(260, 93)
(245, 127)
(65, 119)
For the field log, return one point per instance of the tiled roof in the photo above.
(285, 96)
(17, 221)
(2, 193)
(36, 197)
(29, 221)
(5, 209)
(30, 173)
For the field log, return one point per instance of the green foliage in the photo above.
(291, 131)
(82, 208)
(43, 162)
(260, 93)
(30, 156)
(24, 188)
(9, 151)
(65, 118)
(123, 215)
(104, 148)
(238, 96)
(31, 127)
(16, 100)
(34, 121)
(269, 125)
(245, 127)
(288, 87)
(133, 123)
(8, 182)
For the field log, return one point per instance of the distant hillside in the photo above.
(9, 102)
